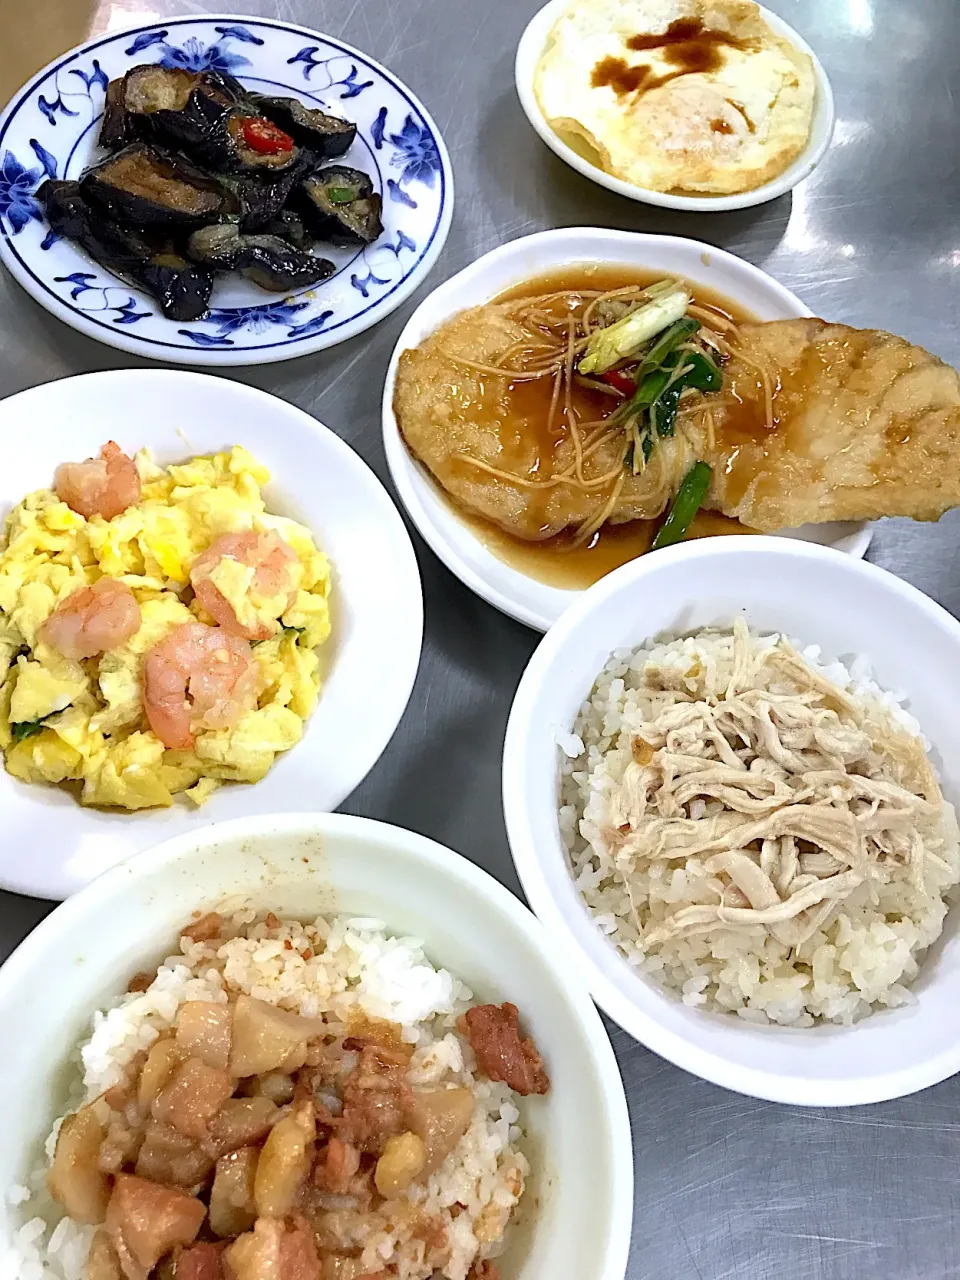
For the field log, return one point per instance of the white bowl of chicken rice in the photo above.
(729, 781)
(306, 1047)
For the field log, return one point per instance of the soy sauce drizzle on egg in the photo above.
(686, 44)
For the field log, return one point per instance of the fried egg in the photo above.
(683, 96)
(83, 722)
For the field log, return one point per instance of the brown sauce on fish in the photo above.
(528, 445)
(556, 562)
(686, 44)
(528, 442)
(605, 276)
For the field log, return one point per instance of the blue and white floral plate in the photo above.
(50, 130)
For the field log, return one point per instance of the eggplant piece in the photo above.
(151, 87)
(268, 261)
(65, 208)
(116, 130)
(142, 186)
(229, 86)
(252, 144)
(140, 103)
(288, 226)
(253, 200)
(144, 90)
(207, 114)
(182, 288)
(340, 205)
(325, 135)
(178, 109)
(260, 202)
(229, 139)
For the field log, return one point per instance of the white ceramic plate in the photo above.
(51, 845)
(530, 48)
(50, 128)
(532, 602)
(818, 597)
(575, 1218)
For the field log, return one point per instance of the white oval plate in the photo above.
(523, 598)
(530, 48)
(51, 845)
(50, 128)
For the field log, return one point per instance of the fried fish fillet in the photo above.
(452, 416)
(864, 425)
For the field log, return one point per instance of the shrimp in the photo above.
(102, 486)
(197, 677)
(271, 588)
(92, 620)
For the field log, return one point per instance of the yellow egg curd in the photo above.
(82, 722)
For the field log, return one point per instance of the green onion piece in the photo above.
(704, 375)
(668, 341)
(26, 729)
(701, 373)
(340, 195)
(665, 409)
(616, 342)
(685, 506)
(650, 386)
(649, 390)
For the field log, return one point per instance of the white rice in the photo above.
(338, 967)
(866, 955)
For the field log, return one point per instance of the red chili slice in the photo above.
(263, 136)
(621, 381)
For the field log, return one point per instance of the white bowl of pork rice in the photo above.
(729, 782)
(307, 1047)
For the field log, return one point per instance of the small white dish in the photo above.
(576, 1217)
(847, 607)
(50, 128)
(535, 603)
(531, 47)
(51, 845)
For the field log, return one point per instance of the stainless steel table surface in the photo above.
(725, 1186)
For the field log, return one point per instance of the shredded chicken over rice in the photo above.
(792, 793)
(736, 791)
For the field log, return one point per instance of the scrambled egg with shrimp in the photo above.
(128, 672)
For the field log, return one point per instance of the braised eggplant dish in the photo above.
(201, 178)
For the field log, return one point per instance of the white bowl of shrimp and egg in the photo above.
(179, 612)
(793, 940)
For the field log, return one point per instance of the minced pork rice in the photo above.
(356, 968)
